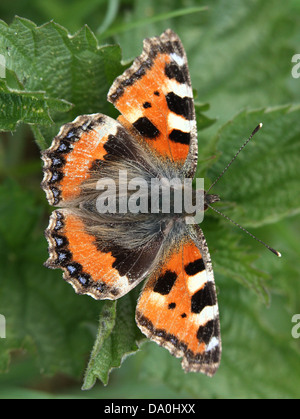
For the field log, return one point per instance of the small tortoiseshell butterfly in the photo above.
(106, 255)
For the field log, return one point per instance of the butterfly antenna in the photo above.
(238, 152)
(246, 231)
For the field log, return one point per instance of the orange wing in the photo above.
(155, 96)
(78, 153)
(178, 307)
(97, 264)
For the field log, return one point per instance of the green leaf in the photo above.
(262, 185)
(95, 367)
(117, 337)
(28, 107)
(56, 70)
(233, 259)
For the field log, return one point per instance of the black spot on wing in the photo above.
(180, 105)
(147, 105)
(207, 331)
(165, 283)
(206, 296)
(195, 267)
(181, 137)
(146, 128)
(173, 71)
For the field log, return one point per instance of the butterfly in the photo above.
(106, 254)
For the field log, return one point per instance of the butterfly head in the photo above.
(203, 200)
(210, 199)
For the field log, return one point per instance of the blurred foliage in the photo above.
(240, 63)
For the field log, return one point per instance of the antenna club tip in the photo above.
(275, 252)
(256, 129)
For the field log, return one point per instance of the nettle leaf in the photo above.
(233, 259)
(95, 367)
(56, 70)
(262, 185)
(117, 337)
(25, 106)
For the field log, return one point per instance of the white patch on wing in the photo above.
(207, 314)
(179, 122)
(157, 298)
(134, 114)
(212, 344)
(178, 59)
(180, 89)
(197, 281)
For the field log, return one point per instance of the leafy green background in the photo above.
(240, 63)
